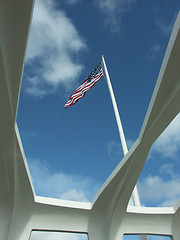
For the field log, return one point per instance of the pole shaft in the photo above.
(135, 194)
(118, 120)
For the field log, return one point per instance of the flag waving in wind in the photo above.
(86, 85)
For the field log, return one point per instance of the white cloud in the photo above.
(164, 27)
(114, 149)
(164, 189)
(36, 87)
(168, 144)
(167, 169)
(113, 11)
(57, 236)
(153, 52)
(130, 142)
(159, 191)
(54, 44)
(72, 1)
(61, 185)
(74, 195)
(131, 202)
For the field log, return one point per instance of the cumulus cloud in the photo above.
(163, 189)
(61, 185)
(131, 202)
(168, 144)
(57, 236)
(113, 11)
(74, 195)
(114, 149)
(155, 189)
(153, 53)
(72, 1)
(163, 26)
(53, 48)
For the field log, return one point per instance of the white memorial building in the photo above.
(107, 217)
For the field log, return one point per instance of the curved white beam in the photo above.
(163, 106)
(14, 24)
(15, 17)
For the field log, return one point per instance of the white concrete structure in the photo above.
(107, 217)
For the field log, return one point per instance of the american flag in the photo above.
(86, 85)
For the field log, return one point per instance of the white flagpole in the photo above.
(135, 194)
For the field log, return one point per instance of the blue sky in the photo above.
(72, 152)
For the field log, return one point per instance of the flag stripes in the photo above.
(85, 86)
